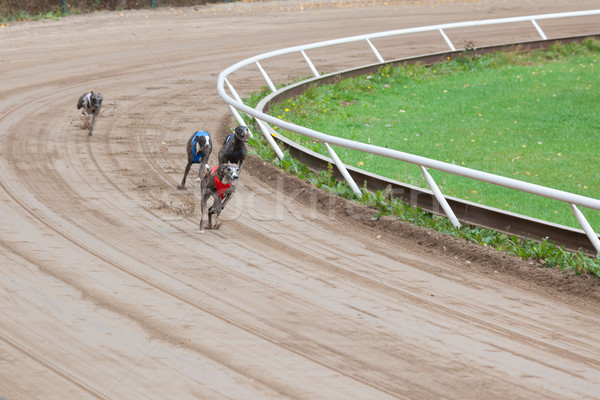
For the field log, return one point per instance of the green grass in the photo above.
(529, 116)
(26, 16)
(547, 253)
(12, 11)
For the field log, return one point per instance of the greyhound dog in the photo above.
(234, 147)
(90, 103)
(199, 147)
(220, 184)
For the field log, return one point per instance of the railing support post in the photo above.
(440, 197)
(310, 64)
(375, 51)
(266, 77)
(447, 39)
(587, 228)
(343, 170)
(235, 112)
(269, 138)
(540, 31)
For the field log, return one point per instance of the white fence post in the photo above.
(343, 170)
(440, 197)
(310, 64)
(587, 228)
(235, 113)
(537, 27)
(269, 138)
(266, 77)
(447, 39)
(375, 51)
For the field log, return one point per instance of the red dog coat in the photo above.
(221, 187)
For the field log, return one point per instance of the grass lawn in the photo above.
(529, 116)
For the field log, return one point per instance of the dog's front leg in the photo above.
(203, 202)
(215, 210)
(94, 115)
(226, 199)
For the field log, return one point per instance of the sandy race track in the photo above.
(108, 291)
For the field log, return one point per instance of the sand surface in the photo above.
(107, 290)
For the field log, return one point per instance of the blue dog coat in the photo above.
(197, 136)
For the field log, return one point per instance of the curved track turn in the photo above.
(108, 291)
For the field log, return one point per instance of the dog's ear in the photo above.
(219, 171)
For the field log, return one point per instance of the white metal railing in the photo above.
(263, 119)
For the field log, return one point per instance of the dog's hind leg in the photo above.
(86, 122)
(185, 174)
(211, 212)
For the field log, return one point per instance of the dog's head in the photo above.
(203, 143)
(228, 173)
(242, 132)
(96, 100)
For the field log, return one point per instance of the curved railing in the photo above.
(263, 120)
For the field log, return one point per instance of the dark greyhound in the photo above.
(199, 147)
(220, 184)
(234, 147)
(90, 103)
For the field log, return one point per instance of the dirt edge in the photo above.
(528, 275)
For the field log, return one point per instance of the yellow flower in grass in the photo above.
(360, 163)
